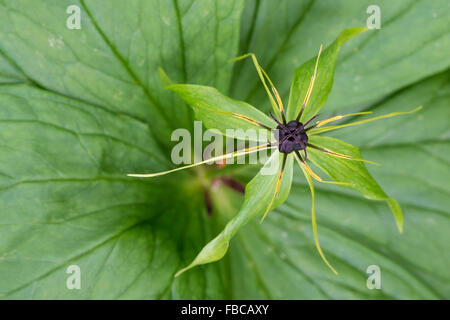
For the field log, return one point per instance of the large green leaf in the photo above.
(81, 108)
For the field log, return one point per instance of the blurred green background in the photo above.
(80, 108)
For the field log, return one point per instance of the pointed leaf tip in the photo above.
(164, 78)
(397, 211)
(213, 251)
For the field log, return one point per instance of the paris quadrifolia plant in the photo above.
(295, 133)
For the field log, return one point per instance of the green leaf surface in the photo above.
(79, 109)
(111, 60)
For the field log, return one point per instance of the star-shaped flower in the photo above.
(294, 133)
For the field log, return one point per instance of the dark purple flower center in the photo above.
(291, 137)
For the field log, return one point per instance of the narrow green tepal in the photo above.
(323, 81)
(353, 171)
(255, 203)
(213, 251)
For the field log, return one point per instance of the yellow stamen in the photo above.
(338, 117)
(340, 155)
(313, 79)
(343, 156)
(315, 176)
(242, 117)
(277, 189)
(248, 119)
(277, 96)
(321, 123)
(338, 183)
